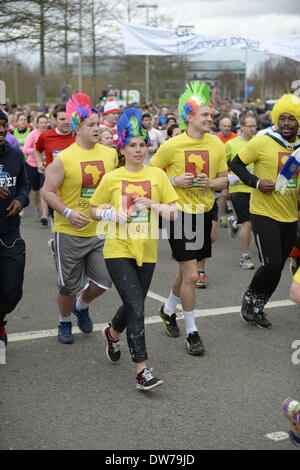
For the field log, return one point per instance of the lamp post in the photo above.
(147, 7)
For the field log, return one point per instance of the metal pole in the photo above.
(147, 68)
(245, 82)
(80, 50)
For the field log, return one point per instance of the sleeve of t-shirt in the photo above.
(100, 196)
(40, 144)
(116, 159)
(160, 158)
(228, 152)
(168, 193)
(249, 153)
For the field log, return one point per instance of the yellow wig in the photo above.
(288, 103)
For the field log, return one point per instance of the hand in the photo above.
(185, 180)
(14, 208)
(120, 217)
(266, 186)
(78, 219)
(41, 167)
(142, 203)
(4, 193)
(202, 180)
(281, 184)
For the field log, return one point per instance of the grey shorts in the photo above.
(79, 260)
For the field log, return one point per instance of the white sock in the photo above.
(171, 303)
(65, 319)
(80, 304)
(190, 324)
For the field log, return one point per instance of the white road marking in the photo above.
(277, 436)
(29, 335)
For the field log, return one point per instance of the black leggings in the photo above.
(274, 241)
(132, 283)
(12, 264)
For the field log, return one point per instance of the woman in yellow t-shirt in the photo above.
(130, 200)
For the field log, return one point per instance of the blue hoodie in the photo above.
(13, 177)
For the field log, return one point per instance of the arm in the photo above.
(39, 161)
(22, 192)
(54, 178)
(239, 168)
(167, 211)
(29, 143)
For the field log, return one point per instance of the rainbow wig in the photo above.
(196, 94)
(78, 108)
(288, 103)
(129, 126)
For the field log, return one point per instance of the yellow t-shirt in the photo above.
(137, 239)
(83, 171)
(269, 157)
(181, 154)
(232, 148)
(296, 276)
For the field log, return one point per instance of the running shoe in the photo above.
(261, 321)
(247, 310)
(232, 226)
(170, 324)
(245, 262)
(84, 321)
(3, 344)
(194, 344)
(201, 282)
(223, 222)
(65, 333)
(145, 380)
(294, 265)
(291, 409)
(44, 221)
(112, 346)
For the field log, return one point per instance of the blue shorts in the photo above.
(36, 179)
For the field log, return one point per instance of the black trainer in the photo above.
(112, 346)
(247, 310)
(145, 380)
(170, 324)
(194, 344)
(260, 320)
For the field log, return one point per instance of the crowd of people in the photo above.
(113, 177)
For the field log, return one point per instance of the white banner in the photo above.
(145, 40)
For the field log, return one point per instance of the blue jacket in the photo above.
(13, 177)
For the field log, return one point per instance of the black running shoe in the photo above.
(247, 310)
(145, 380)
(260, 320)
(194, 344)
(170, 324)
(112, 346)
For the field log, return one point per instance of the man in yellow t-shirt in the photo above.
(195, 163)
(71, 181)
(274, 215)
(240, 192)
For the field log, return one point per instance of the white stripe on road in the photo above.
(28, 335)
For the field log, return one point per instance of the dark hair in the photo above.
(146, 115)
(244, 116)
(171, 128)
(59, 108)
(40, 116)
(171, 118)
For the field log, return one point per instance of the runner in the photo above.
(111, 116)
(14, 190)
(106, 136)
(136, 195)
(195, 163)
(22, 130)
(36, 179)
(274, 215)
(70, 182)
(240, 192)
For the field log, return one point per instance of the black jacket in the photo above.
(13, 177)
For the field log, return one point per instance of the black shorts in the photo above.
(215, 211)
(36, 179)
(189, 236)
(240, 202)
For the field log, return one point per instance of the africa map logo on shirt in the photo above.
(92, 173)
(282, 158)
(129, 192)
(196, 161)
